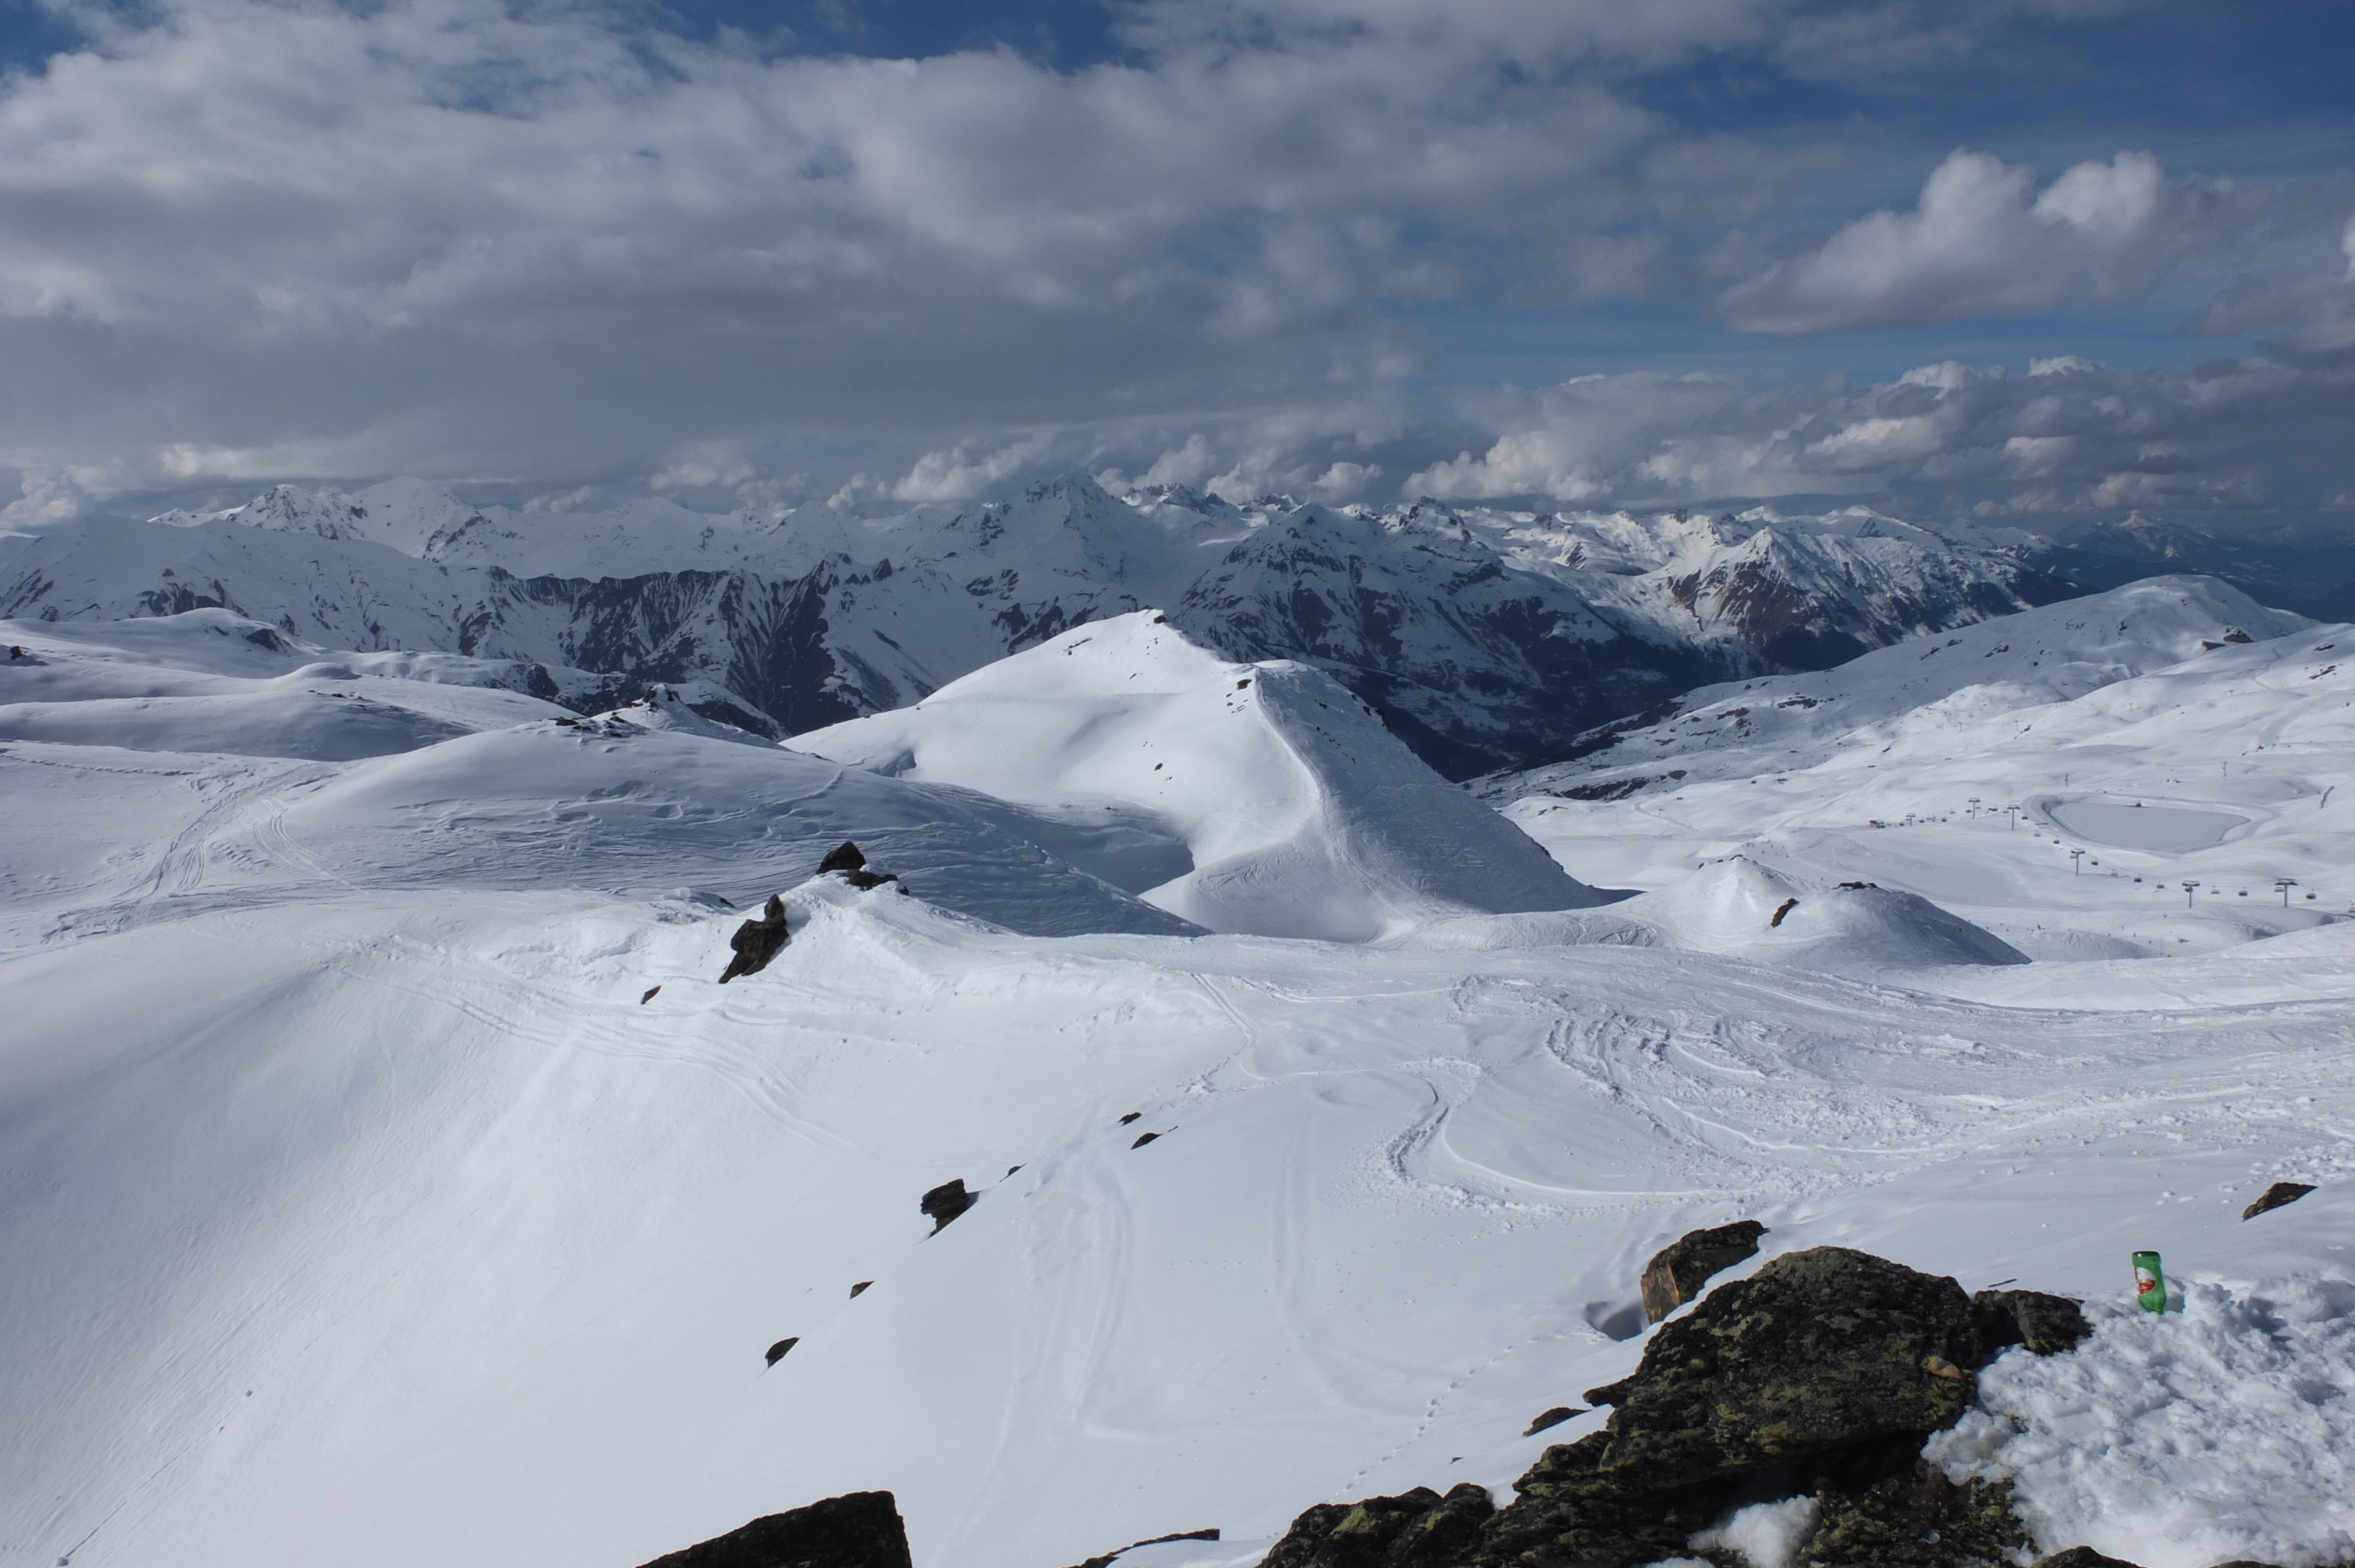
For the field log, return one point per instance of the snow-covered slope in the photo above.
(1279, 804)
(385, 1180)
(1483, 636)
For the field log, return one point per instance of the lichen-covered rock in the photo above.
(1819, 1350)
(1415, 1530)
(1678, 1270)
(860, 1530)
(2274, 1196)
(1911, 1517)
(1571, 1514)
(2047, 1325)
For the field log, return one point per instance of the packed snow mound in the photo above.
(1744, 909)
(2219, 1431)
(1263, 797)
(208, 681)
(672, 709)
(1941, 683)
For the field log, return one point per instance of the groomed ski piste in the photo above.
(364, 1201)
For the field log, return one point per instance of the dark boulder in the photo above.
(947, 1201)
(860, 1289)
(844, 857)
(777, 1352)
(1415, 1530)
(2081, 1557)
(1677, 1272)
(756, 941)
(1819, 1350)
(1143, 1139)
(2274, 1196)
(2047, 1325)
(1554, 1418)
(860, 1530)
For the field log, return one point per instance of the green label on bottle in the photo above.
(2150, 1282)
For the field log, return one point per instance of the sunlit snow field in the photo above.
(361, 1205)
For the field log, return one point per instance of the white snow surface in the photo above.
(361, 1206)
(1290, 810)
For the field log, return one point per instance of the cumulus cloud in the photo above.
(1945, 439)
(1984, 241)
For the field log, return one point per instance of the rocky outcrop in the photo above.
(2274, 1196)
(2047, 1325)
(858, 1530)
(1677, 1272)
(1415, 1530)
(947, 1201)
(756, 942)
(1108, 1558)
(1819, 1375)
(848, 862)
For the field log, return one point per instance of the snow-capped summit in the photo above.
(1280, 805)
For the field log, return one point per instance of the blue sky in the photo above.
(1545, 252)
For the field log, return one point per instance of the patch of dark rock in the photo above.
(1677, 1271)
(1554, 1418)
(1131, 1117)
(860, 1530)
(1240, 684)
(868, 881)
(947, 1201)
(1110, 1557)
(1857, 886)
(2047, 1325)
(1819, 1350)
(1415, 1530)
(2081, 1557)
(2274, 1196)
(860, 1289)
(1571, 1511)
(1143, 1139)
(844, 857)
(757, 941)
(260, 637)
(1780, 910)
(652, 991)
(1914, 1518)
(1012, 1168)
(777, 1352)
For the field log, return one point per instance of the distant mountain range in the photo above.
(1485, 638)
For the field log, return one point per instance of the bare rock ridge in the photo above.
(858, 1530)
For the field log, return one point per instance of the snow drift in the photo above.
(1280, 802)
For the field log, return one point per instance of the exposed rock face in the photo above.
(851, 861)
(1677, 1273)
(860, 1530)
(1415, 1530)
(947, 1201)
(2045, 1324)
(1820, 1374)
(756, 942)
(1819, 1350)
(2274, 1196)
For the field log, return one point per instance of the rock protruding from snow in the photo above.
(2274, 1196)
(1278, 800)
(2047, 1325)
(945, 1202)
(757, 941)
(1739, 907)
(1677, 1273)
(858, 1530)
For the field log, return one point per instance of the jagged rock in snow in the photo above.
(1910, 1515)
(2047, 1325)
(2274, 1196)
(1419, 1529)
(778, 1351)
(1818, 1351)
(947, 1201)
(757, 941)
(844, 857)
(1677, 1273)
(1108, 1558)
(858, 1530)
(1553, 1418)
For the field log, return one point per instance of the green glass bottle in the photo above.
(2150, 1282)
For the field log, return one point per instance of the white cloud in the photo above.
(1984, 241)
